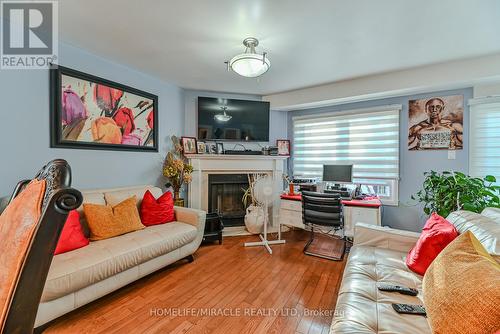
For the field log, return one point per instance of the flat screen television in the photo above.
(230, 119)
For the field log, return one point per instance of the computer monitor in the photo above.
(337, 173)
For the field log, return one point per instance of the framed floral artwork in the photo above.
(89, 112)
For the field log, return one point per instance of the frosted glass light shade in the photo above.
(250, 65)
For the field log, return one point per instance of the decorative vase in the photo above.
(177, 200)
(254, 219)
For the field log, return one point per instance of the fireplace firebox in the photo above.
(225, 194)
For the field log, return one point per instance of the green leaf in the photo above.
(490, 178)
(469, 207)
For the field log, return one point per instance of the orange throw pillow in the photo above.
(461, 289)
(107, 221)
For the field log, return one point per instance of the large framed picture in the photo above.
(436, 123)
(89, 112)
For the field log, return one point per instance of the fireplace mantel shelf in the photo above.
(235, 157)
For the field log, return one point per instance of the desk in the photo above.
(355, 211)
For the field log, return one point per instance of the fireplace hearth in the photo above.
(225, 194)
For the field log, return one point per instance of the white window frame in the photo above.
(473, 141)
(393, 183)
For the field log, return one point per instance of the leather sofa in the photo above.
(378, 256)
(81, 276)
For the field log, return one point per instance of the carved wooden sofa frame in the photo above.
(58, 201)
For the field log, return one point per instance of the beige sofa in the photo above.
(378, 256)
(86, 274)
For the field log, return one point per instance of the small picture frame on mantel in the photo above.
(211, 148)
(189, 145)
(220, 148)
(283, 147)
(201, 147)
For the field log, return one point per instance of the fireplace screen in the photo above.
(225, 194)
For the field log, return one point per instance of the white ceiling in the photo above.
(308, 42)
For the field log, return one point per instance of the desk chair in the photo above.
(323, 210)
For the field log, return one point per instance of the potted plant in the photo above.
(450, 191)
(177, 170)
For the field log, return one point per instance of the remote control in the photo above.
(396, 288)
(409, 309)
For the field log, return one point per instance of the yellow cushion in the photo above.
(107, 221)
(461, 289)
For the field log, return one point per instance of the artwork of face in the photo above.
(436, 123)
(434, 107)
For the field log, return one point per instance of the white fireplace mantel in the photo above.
(206, 164)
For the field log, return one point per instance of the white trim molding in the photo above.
(444, 76)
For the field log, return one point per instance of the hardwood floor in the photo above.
(245, 289)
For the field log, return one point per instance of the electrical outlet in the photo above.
(452, 154)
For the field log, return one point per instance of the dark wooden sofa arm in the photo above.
(58, 201)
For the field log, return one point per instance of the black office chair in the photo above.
(323, 210)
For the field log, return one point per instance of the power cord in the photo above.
(239, 144)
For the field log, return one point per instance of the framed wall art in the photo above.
(211, 148)
(436, 123)
(201, 147)
(89, 112)
(189, 145)
(283, 146)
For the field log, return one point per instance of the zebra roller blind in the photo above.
(367, 139)
(484, 156)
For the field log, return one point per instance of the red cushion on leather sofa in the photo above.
(157, 211)
(71, 235)
(436, 235)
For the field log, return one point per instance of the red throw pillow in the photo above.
(436, 235)
(157, 211)
(72, 236)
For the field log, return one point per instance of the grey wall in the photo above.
(412, 164)
(277, 127)
(24, 120)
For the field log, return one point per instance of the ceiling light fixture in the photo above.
(223, 117)
(249, 64)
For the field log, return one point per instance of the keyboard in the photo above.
(344, 194)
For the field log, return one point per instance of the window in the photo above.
(368, 139)
(484, 156)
